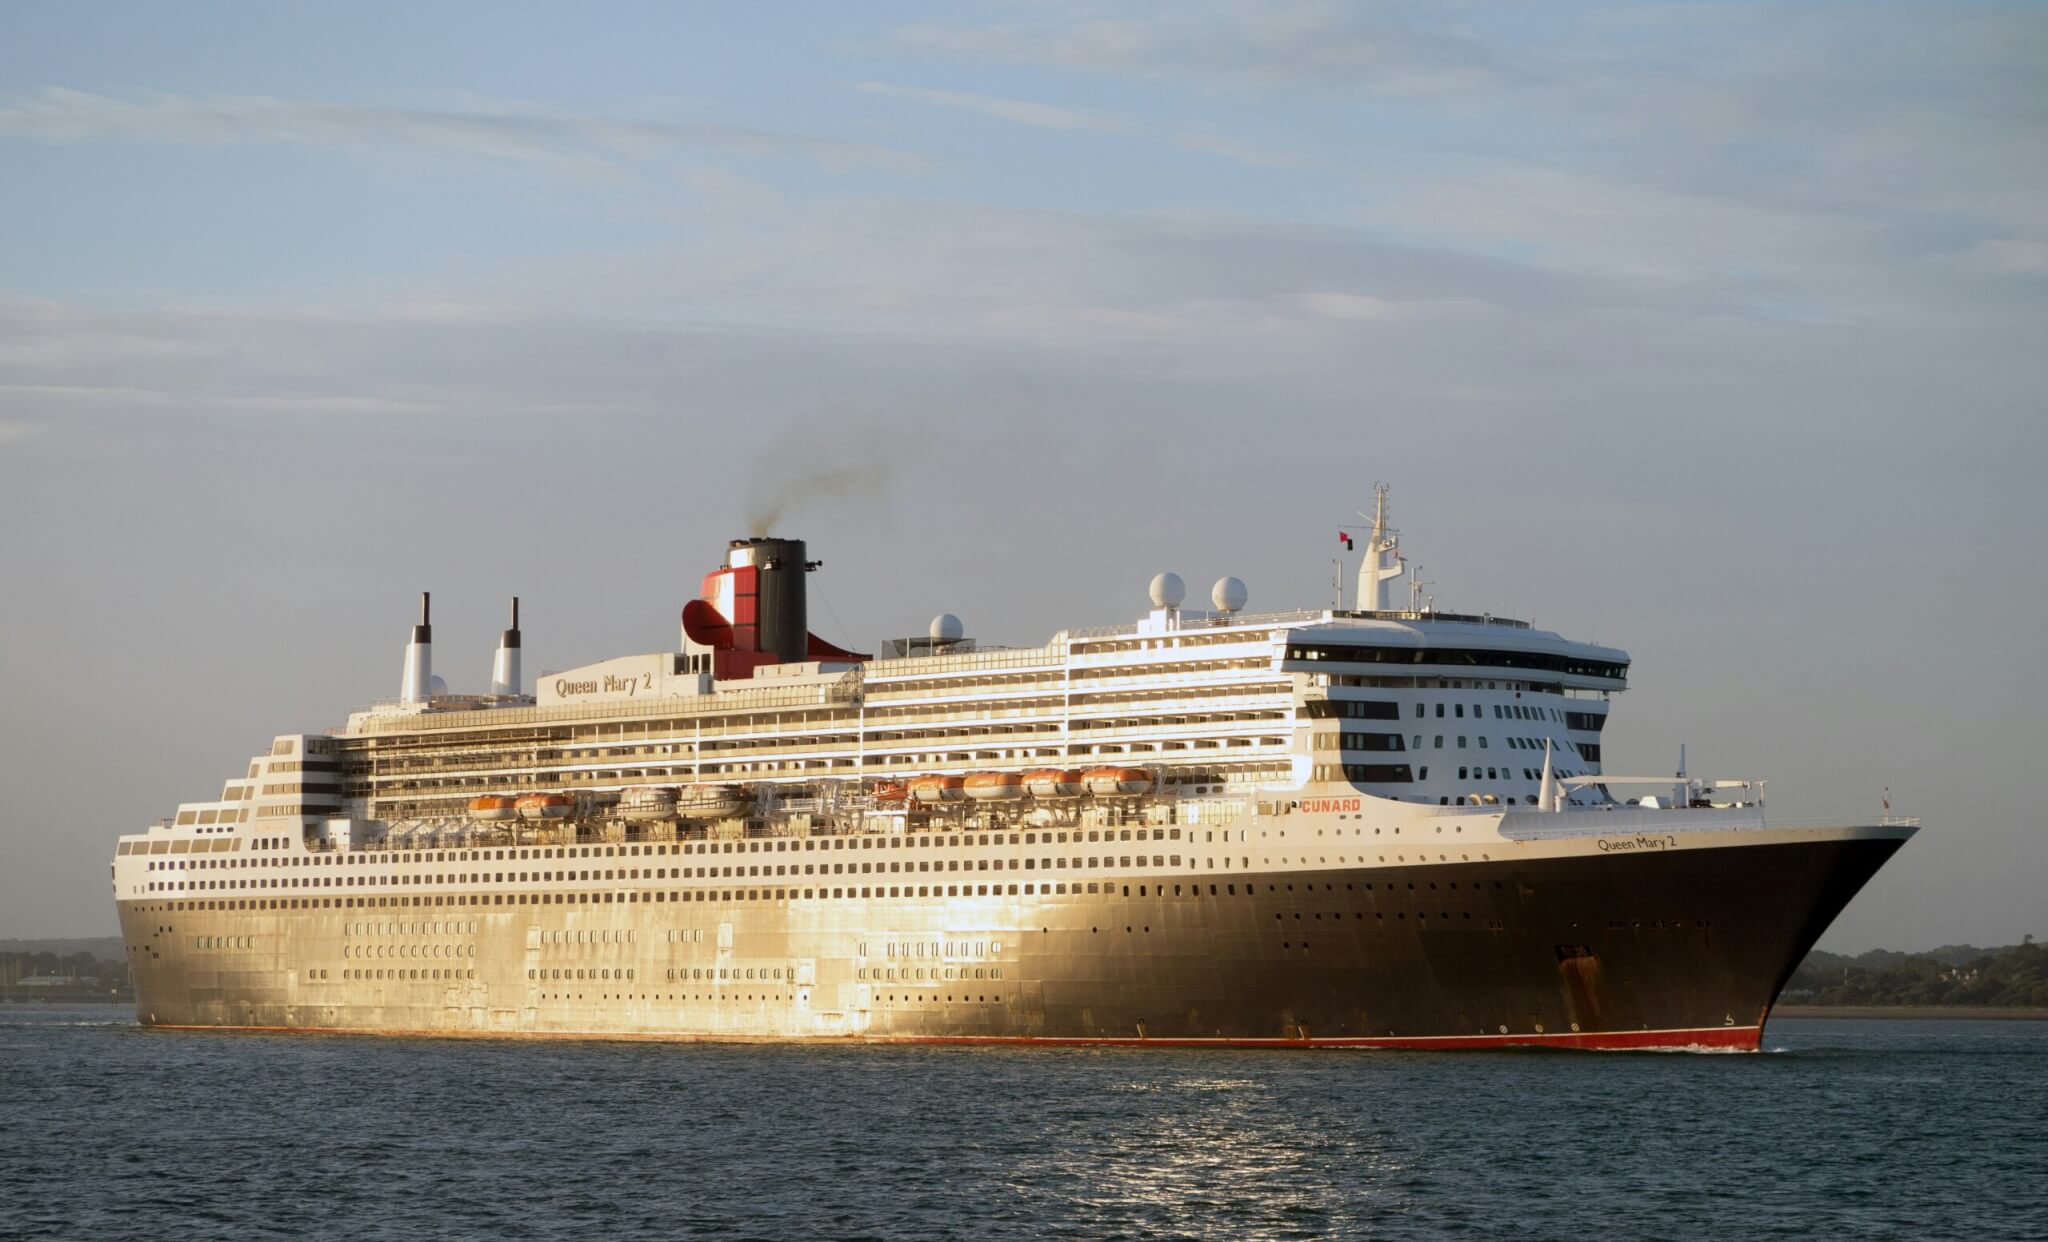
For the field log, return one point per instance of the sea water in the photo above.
(1869, 1129)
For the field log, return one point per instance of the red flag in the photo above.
(1346, 538)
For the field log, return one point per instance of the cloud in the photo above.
(1019, 111)
(1378, 49)
(329, 405)
(1820, 155)
(2011, 255)
(1361, 308)
(515, 133)
(1056, 116)
(1262, 157)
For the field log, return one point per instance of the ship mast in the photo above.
(1375, 573)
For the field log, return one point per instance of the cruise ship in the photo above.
(1375, 826)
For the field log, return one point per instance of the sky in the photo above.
(1715, 332)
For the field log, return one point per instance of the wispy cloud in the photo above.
(1061, 117)
(1375, 49)
(2011, 255)
(1244, 153)
(500, 132)
(1019, 111)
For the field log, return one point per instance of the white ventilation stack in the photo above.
(418, 686)
(505, 665)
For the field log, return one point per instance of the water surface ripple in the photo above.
(1909, 1129)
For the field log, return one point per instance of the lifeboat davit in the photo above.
(1053, 783)
(1117, 782)
(994, 786)
(891, 793)
(711, 801)
(492, 808)
(542, 806)
(938, 788)
(648, 805)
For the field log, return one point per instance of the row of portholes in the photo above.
(407, 974)
(408, 950)
(908, 974)
(464, 927)
(589, 937)
(224, 942)
(731, 974)
(570, 973)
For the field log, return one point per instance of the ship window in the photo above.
(1439, 741)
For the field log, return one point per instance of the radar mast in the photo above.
(1376, 572)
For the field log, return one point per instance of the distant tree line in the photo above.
(2014, 976)
(95, 975)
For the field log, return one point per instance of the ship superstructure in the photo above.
(1364, 826)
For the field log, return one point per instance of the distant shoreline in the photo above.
(2021, 1013)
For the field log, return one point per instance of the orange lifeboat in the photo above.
(1053, 783)
(542, 806)
(1134, 781)
(938, 788)
(1117, 782)
(1102, 782)
(994, 786)
(891, 793)
(492, 807)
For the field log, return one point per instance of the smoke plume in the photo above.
(828, 457)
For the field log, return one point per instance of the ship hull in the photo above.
(1677, 948)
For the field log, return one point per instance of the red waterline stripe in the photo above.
(1724, 1038)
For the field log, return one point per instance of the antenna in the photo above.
(1415, 584)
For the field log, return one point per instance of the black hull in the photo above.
(1664, 948)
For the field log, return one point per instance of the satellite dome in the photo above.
(946, 628)
(437, 686)
(1168, 590)
(1229, 594)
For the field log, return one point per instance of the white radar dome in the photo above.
(1168, 590)
(946, 628)
(438, 686)
(1229, 594)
